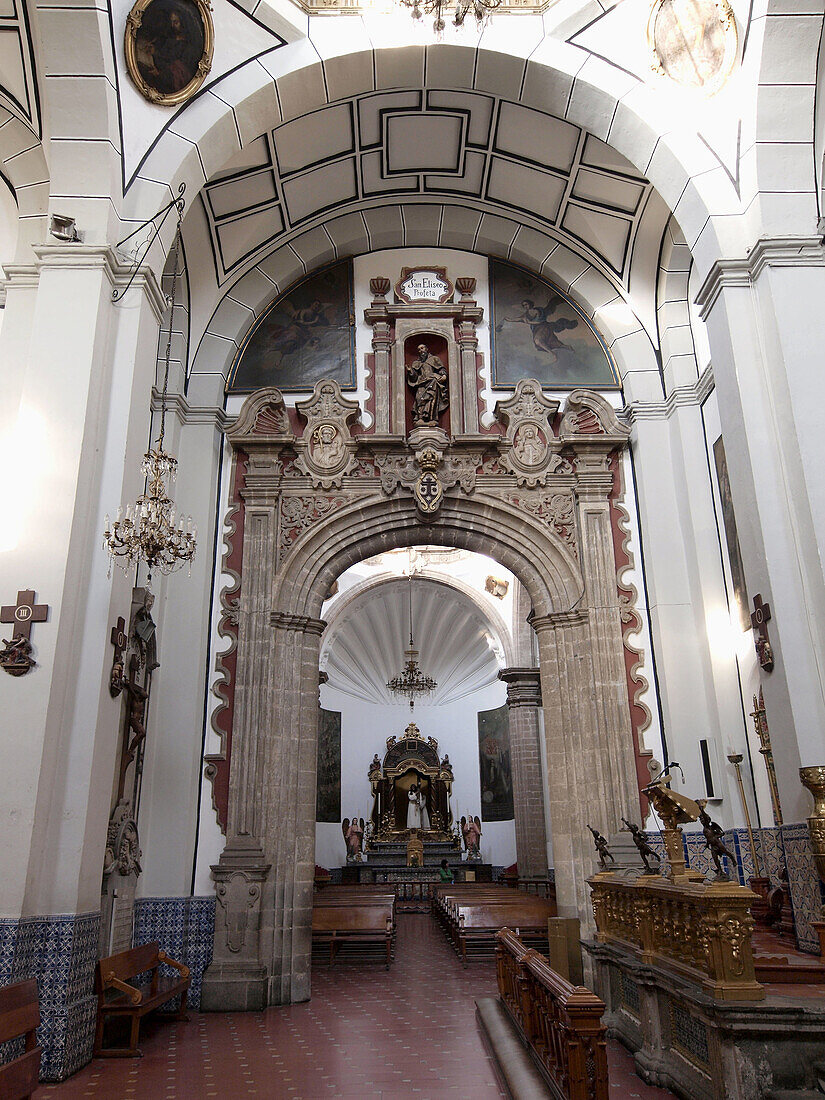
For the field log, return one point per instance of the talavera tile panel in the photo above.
(184, 928)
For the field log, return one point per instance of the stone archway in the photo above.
(551, 528)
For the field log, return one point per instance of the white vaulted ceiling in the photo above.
(364, 647)
(410, 147)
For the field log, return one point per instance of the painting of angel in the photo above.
(538, 332)
(305, 335)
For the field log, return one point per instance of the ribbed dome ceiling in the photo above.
(364, 647)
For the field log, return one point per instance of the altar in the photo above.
(411, 765)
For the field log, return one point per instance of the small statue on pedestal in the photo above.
(645, 850)
(471, 831)
(601, 848)
(353, 838)
(713, 834)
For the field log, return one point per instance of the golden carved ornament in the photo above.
(813, 778)
(701, 932)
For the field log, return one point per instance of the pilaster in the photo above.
(523, 702)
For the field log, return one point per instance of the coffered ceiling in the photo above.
(445, 147)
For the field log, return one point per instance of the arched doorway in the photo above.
(555, 536)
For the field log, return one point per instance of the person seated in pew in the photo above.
(445, 872)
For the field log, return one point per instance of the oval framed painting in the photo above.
(693, 42)
(168, 47)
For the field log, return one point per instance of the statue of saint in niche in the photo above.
(427, 378)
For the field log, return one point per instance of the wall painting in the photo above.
(494, 764)
(538, 332)
(328, 798)
(737, 569)
(304, 336)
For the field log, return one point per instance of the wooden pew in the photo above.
(358, 924)
(478, 924)
(561, 1024)
(118, 995)
(20, 1015)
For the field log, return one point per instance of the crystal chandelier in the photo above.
(150, 531)
(412, 683)
(480, 9)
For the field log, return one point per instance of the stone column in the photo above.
(763, 316)
(523, 702)
(588, 779)
(289, 812)
(237, 978)
(79, 370)
(467, 347)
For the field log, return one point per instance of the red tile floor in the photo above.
(409, 1032)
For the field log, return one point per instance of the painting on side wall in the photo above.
(494, 764)
(304, 336)
(737, 569)
(328, 799)
(538, 332)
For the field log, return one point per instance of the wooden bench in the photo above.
(20, 1015)
(478, 924)
(359, 924)
(116, 997)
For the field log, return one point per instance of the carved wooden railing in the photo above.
(700, 931)
(560, 1022)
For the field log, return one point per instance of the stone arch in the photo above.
(23, 166)
(265, 876)
(691, 183)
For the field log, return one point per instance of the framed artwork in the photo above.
(737, 569)
(494, 764)
(168, 47)
(305, 336)
(538, 332)
(328, 797)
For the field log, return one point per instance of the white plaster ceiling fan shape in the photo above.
(365, 646)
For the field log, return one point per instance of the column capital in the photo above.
(556, 619)
(283, 620)
(523, 686)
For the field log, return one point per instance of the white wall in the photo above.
(365, 728)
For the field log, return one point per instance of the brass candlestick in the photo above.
(736, 759)
(760, 723)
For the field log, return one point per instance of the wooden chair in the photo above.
(117, 997)
(20, 1015)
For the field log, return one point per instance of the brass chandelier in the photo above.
(150, 530)
(412, 683)
(480, 9)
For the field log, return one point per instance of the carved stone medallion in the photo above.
(326, 450)
(527, 417)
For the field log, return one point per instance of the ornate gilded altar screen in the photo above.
(410, 759)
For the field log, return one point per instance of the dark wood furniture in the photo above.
(20, 1016)
(360, 923)
(471, 915)
(119, 995)
(560, 1023)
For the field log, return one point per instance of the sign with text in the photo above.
(424, 284)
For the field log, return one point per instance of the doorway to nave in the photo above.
(421, 746)
(298, 541)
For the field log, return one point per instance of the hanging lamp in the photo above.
(150, 530)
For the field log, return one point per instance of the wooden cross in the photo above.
(759, 620)
(119, 641)
(134, 730)
(24, 613)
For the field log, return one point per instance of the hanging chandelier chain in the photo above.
(151, 530)
(171, 300)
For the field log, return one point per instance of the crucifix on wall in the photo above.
(759, 620)
(16, 654)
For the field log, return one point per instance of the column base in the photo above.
(228, 988)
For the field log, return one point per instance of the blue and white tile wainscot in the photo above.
(60, 952)
(184, 928)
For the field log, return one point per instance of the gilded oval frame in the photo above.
(134, 21)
